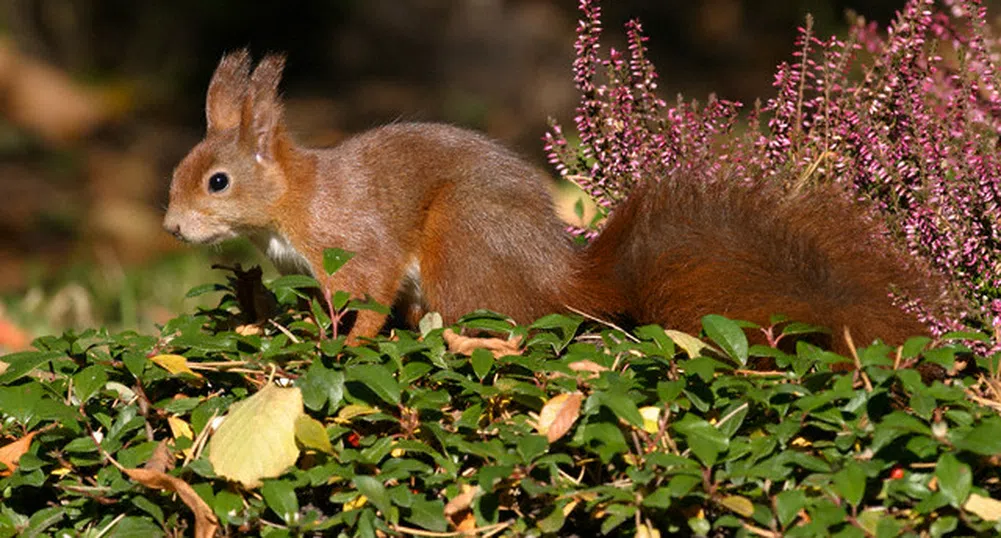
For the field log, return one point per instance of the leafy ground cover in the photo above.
(565, 427)
(571, 430)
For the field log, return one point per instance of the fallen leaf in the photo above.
(559, 415)
(12, 452)
(162, 459)
(467, 525)
(250, 329)
(465, 345)
(985, 508)
(206, 523)
(462, 501)
(180, 429)
(587, 366)
(175, 364)
(257, 438)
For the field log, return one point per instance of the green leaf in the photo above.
(321, 386)
(340, 299)
(374, 491)
(203, 289)
(335, 258)
(623, 407)
(983, 439)
(728, 335)
(482, 361)
(20, 364)
(954, 478)
(378, 379)
(850, 483)
(294, 282)
(788, 505)
(88, 381)
(280, 497)
(429, 515)
(311, 434)
(660, 498)
(532, 446)
(703, 438)
(135, 527)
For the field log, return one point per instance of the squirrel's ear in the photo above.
(263, 116)
(227, 91)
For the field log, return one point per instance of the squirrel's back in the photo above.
(690, 246)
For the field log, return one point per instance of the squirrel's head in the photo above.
(227, 185)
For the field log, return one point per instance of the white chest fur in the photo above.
(280, 251)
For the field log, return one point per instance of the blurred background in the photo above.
(99, 99)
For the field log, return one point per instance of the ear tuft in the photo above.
(263, 116)
(227, 91)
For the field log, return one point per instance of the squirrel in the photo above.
(693, 244)
(439, 218)
(443, 219)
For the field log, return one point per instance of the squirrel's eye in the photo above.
(218, 182)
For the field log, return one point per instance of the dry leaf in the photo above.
(12, 452)
(559, 415)
(986, 508)
(257, 438)
(467, 525)
(175, 364)
(206, 523)
(250, 329)
(180, 429)
(587, 366)
(465, 345)
(162, 459)
(462, 501)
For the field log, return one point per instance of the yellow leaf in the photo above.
(178, 429)
(175, 364)
(257, 438)
(651, 419)
(644, 531)
(692, 346)
(985, 508)
(738, 504)
(351, 411)
(311, 434)
(357, 502)
(559, 415)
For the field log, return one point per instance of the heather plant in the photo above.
(907, 123)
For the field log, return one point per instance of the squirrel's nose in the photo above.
(172, 226)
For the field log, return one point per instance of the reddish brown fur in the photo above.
(687, 247)
(466, 219)
(443, 219)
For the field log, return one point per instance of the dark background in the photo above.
(99, 99)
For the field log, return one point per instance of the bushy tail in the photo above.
(685, 247)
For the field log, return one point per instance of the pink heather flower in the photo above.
(916, 136)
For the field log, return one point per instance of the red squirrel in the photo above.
(439, 218)
(687, 246)
(443, 219)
